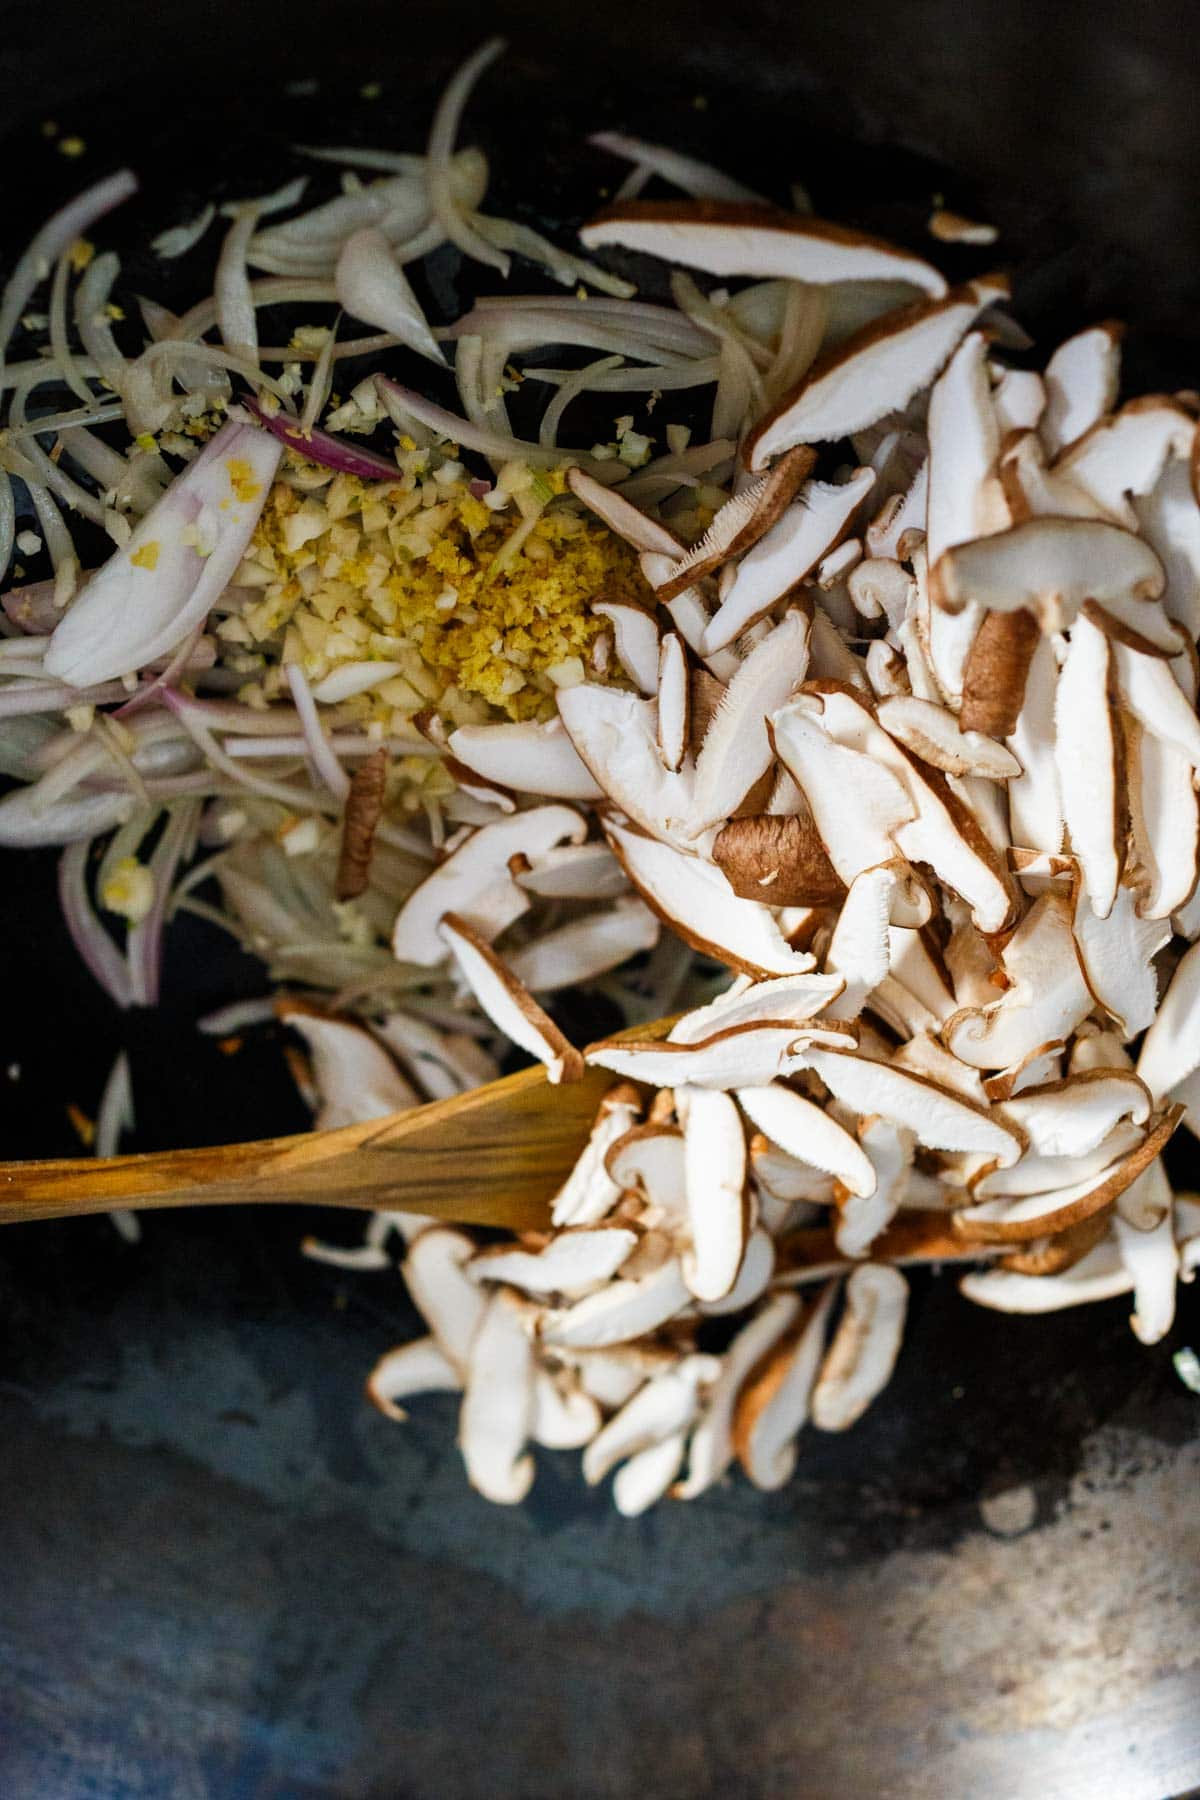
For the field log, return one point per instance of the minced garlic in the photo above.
(484, 609)
(129, 890)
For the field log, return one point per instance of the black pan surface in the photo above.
(220, 1572)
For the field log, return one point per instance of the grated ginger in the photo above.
(482, 609)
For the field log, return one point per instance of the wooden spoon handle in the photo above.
(494, 1156)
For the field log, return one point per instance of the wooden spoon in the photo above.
(494, 1156)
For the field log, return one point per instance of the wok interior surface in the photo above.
(221, 1572)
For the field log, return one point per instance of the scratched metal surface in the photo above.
(221, 1574)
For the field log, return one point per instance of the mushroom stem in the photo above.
(996, 671)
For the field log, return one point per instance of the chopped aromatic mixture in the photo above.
(842, 742)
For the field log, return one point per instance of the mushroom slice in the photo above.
(1146, 1202)
(710, 1452)
(1034, 491)
(886, 671)
(1086, 751)
(510, 1006)
(860, 1221)
(1038, 1215)
(941, 1120)
(875, 372)
(616, 734)
(586, 947)
(697, 902)
(1187, 917)
(416, 1368)
(1070, 1118)
(355, 1077)
(748, 1055)
(714, 1160)
(943, 833)
(648, 1160)
(915, 1236)
(1171, 1048)
(635, 635)
(673, 702)
(777, 858)
(1187, 1234)
(621, 516)
(533, 758)
(1019, 398)
(860, 1360)
(1150, 690)
(474, 881)
(789, 551)
(1147, 629)
(736, 752)
(808, 1133)
(741, 522)
(923, 974)
(1042, 1065)
(611, 1377)
(667, 1404)
(1126, 454)
(1046, 998)
(1164, 821)
(1052, 1255)
(498, 1404)
(572, 1263)
(832, 569)
(1034, 796)
(1097, 1047)
(789, 1000)
(1169, 518)
(435, 1274)
(1082, 378)
(857, 804)
(787, 1179)
(965, 501)
(773, 1405)
(881, 588)
(725, 238)
(488, 798)
(860, 948)
(564, 1416)
(1117, 954)
(619, 1312)
(923, 1055)
(934, 734)
(589, 1193)
(901, 519)
(952, 228)
(1100, 1276)
(1152, 1259)
(1050, 566)
(690, 613)
(646, 1477)
(574, 872)
(753, 1278)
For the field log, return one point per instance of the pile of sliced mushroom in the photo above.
(893, 764)
(909, 745)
